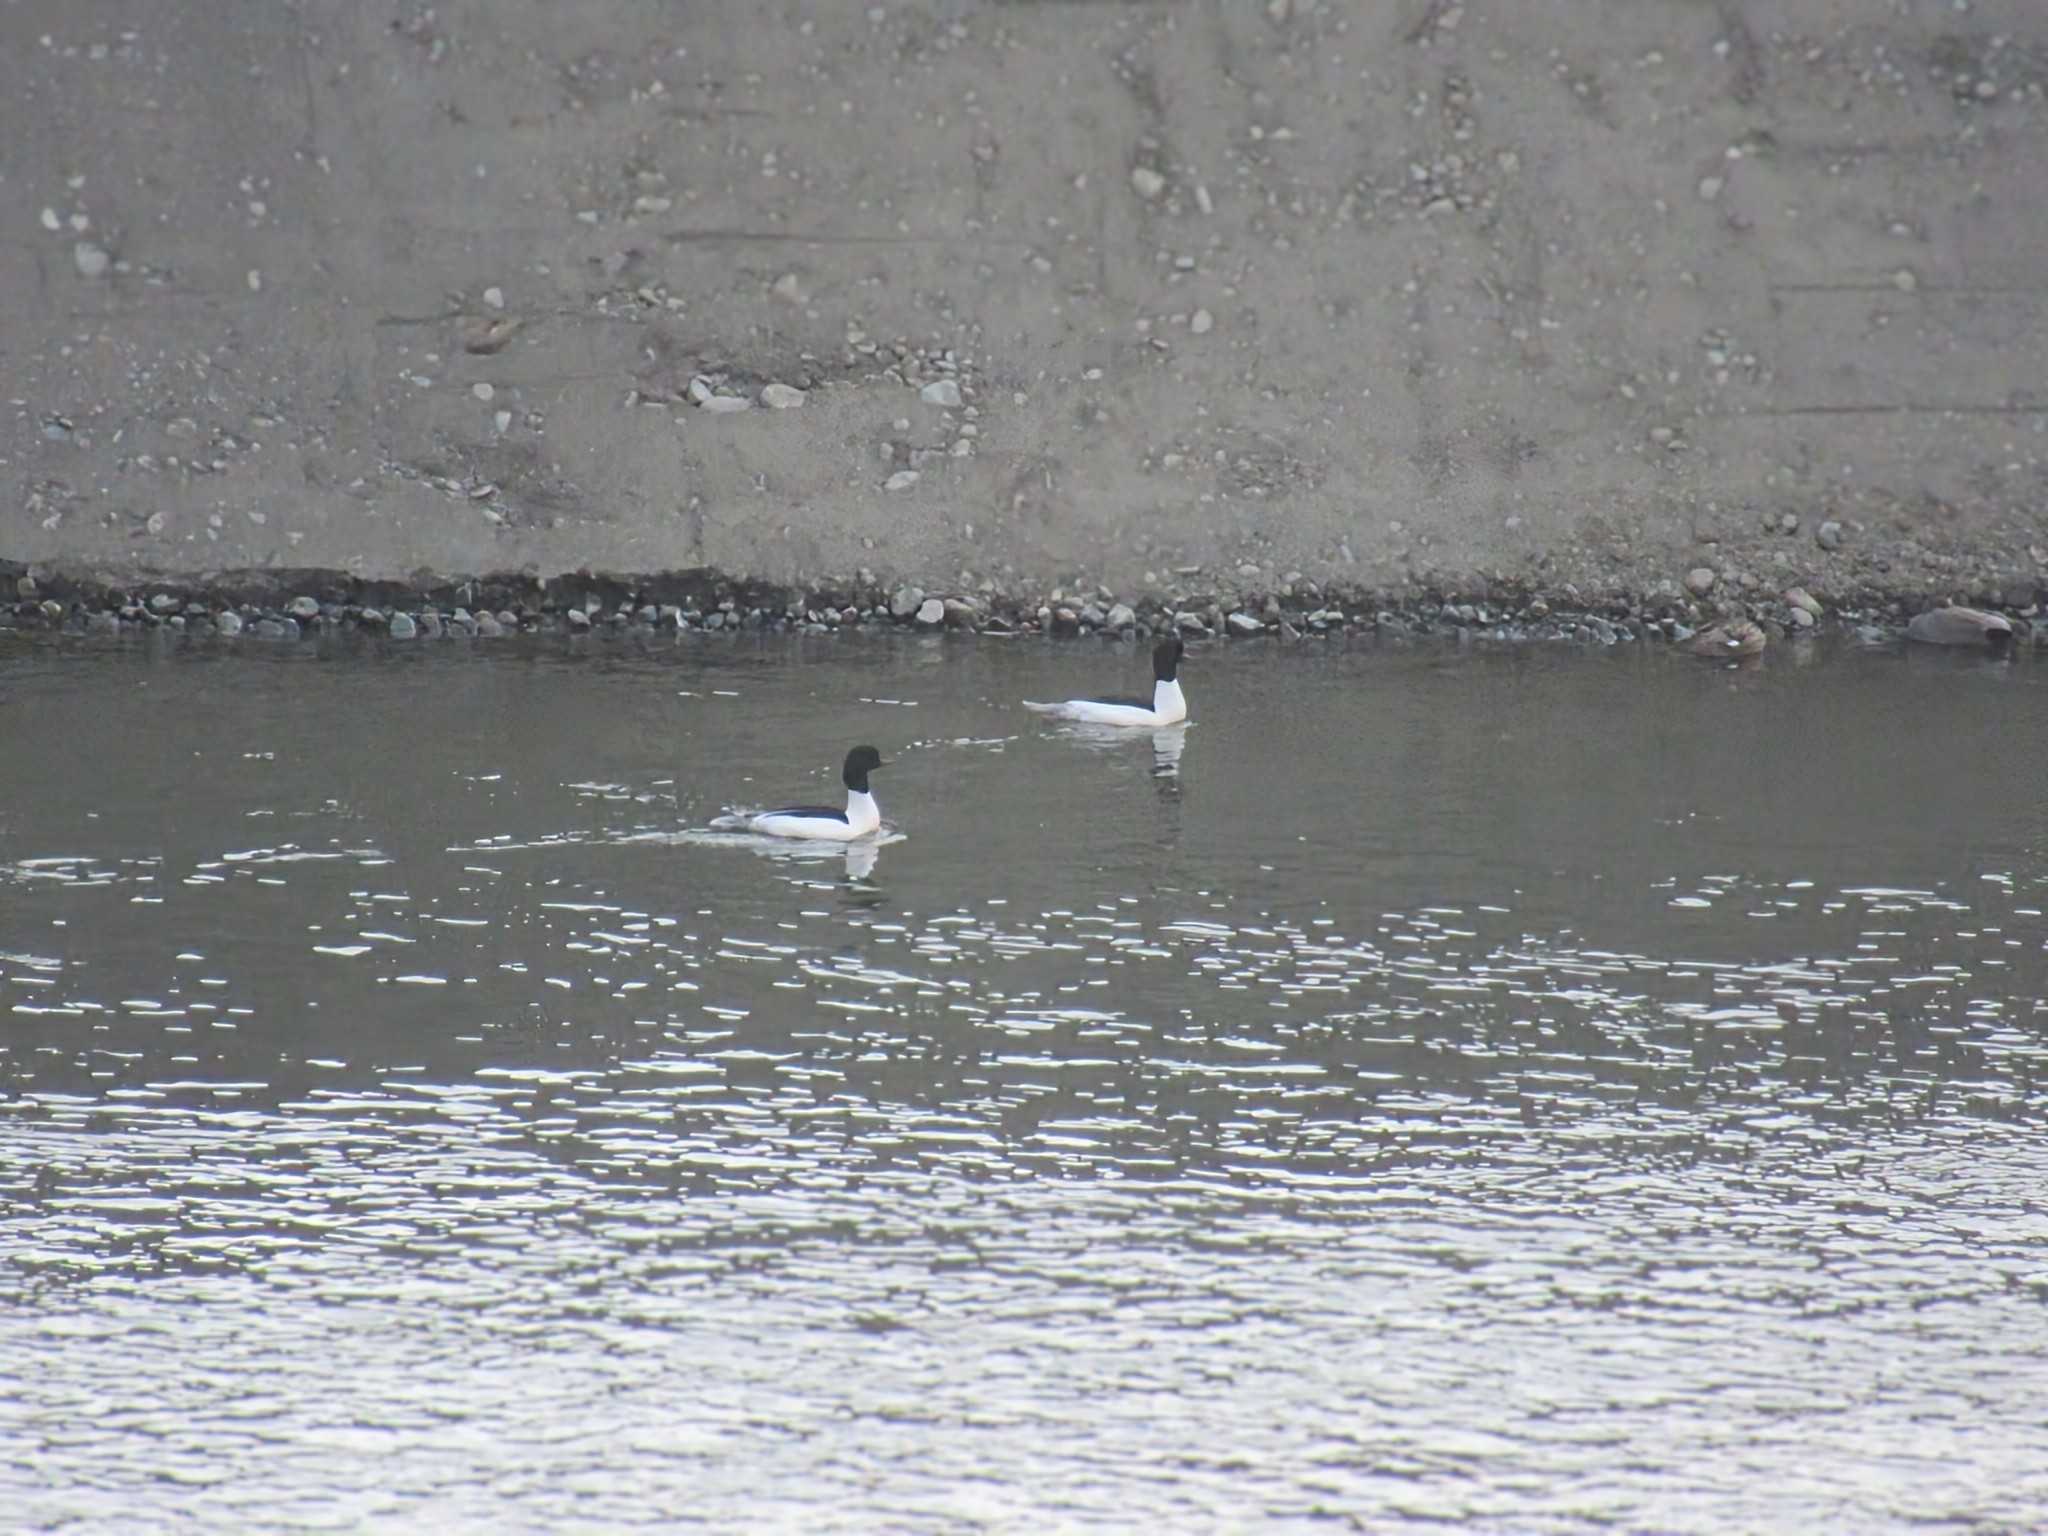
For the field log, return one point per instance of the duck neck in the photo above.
(861, 811)
(1167, 702)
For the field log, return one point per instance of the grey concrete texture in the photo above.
(1586, 290)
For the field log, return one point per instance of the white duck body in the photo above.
(820, 823)
(1169, 705)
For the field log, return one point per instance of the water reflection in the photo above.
(1607, 1121)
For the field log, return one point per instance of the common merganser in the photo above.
(1168, 707)
(822, 823)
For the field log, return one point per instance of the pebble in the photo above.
(502, 420)
(487, 626)
(1202, 322)
(1828, 535)
(931, 613)
(163, 602)
(1243, 625)
(781, 397)
(1801, 619)
(1146, 182)
(90, 260)
(1699, 581)
(941, 392)
(402, 626)
(960, 613)
(430, 625)
(1802, 601)
(1121, 616)
(905, 601)
(303, 608)
(494, 297)
(902, 480)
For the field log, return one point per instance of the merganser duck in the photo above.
(822, 823)
(1168, 707)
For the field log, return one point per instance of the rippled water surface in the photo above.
(1534, 1093)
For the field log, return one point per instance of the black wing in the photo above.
(821, 812)
(1124, 699)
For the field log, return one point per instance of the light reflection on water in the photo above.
(1492, 1093)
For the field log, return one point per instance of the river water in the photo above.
(1519, 1092)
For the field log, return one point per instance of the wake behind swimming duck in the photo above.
(821, 823)
(1168, 705)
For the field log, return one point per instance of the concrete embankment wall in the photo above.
(1581, 290)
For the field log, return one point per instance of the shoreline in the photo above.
(286, 605)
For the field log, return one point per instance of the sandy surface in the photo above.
(1594, 292)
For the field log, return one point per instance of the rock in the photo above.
(90, 260)
(1961, 626)
(304, 608)
(941, 392)
(162, 602)
(1147, 183)
(1828, 535)
(790, 289)
(1202, 322)
(902, 480)
(487, 627)
(931, 613)
(1065, 621)
(275, 629)
(1243, 625)
(402, 626)
(1699, 581)
(25, 588)
(103, 622)
(781, 397)
(494, 297)
(724, 405)
(1093, 616)
(1799, 600)
(228, 622)
(1789, 523)
(960, 613)
(1738, 639)
(1801, 619)
(430, 625)
(905, 601)
(1121, 616)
